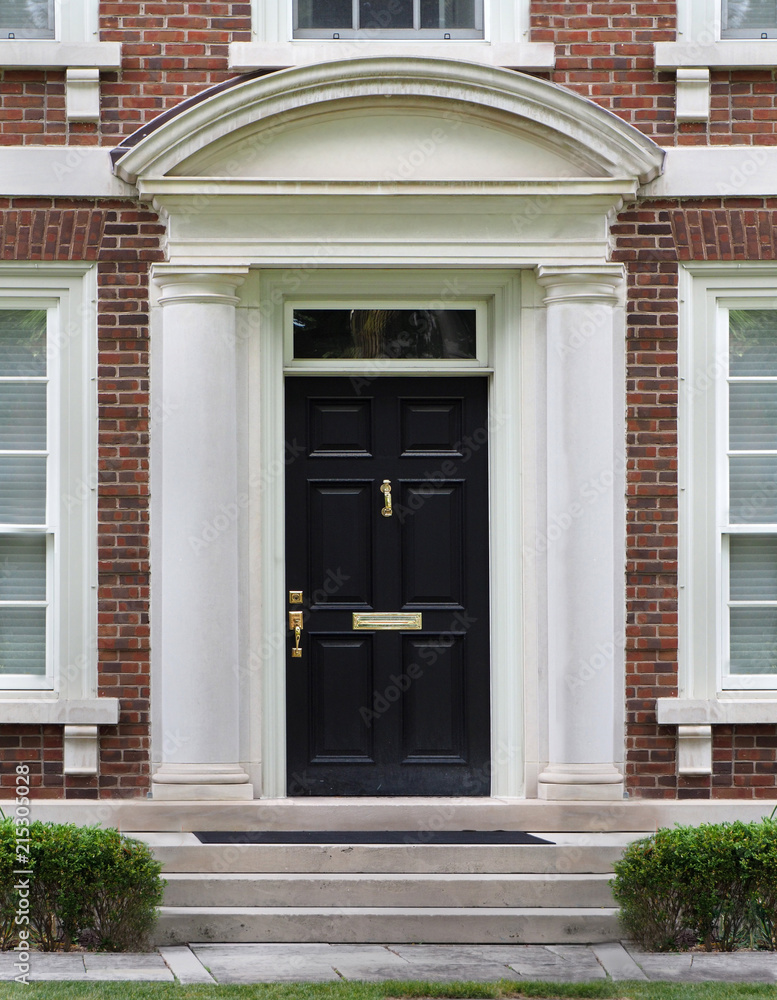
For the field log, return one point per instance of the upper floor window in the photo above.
(749, 19)
(27, 19)
(388, 19)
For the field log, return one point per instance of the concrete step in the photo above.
(387, 890)
(584, 853)
(362, 925)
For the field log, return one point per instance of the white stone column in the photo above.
(585, 557)
(195, 572)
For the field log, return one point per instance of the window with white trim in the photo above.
(748, 498)
(728, 480)
(27, 497)
(748, 19)
(288, 33)
(445, 19)
(48, 530)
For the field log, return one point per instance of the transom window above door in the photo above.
(388, 19)
(385, 335)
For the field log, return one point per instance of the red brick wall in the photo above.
(125, 241)
(650, 240)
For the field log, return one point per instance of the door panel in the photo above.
(433, 722)
(340, 531)
(432, 544)
(341, 681)
(400, 712)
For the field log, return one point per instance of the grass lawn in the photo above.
(380, 991)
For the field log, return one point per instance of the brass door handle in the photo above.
(295, 623)
(385, 489)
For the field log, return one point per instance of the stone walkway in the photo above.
(268, 963)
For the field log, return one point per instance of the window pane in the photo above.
(22, 490)
(325, 14)
(753, 640)
(753, 567)
(23, 641)
(754, 15)
(22, 568)
(23, 417)
(753, 490)
(384, 333)
(385, 14)
(753, 342)
(446, 14)
(22, 342)
(27, 18)
(753, 416)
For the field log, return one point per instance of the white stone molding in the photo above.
(584, 558)
(592, 141)
(81, 749)
(717, 711)
(245, 57)
(693, 95)
(725, 54)
(62, 711)
(197, 521)
(82, 94)
(694, 750)
(44, 54)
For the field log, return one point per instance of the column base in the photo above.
(209, 782)
(586, 782)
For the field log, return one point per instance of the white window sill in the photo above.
(717, 712)
(247, 56)
(38, 54)
(732, 53)
(39, 711)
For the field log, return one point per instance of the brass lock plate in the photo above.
(295, 620)
(295, 597)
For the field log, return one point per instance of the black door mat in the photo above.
(485, 837)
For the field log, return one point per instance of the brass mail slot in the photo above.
(386, 621)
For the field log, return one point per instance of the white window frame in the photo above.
(504, 42)
(700, 42)
(383, 366)
(50, 528)
(69, 693)
(76, 43)
(370, 33)
(707, 293)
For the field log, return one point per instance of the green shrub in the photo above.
(714, 885)
(88, 886)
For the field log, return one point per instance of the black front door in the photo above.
(387, 513)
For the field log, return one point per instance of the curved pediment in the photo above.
(391, 121)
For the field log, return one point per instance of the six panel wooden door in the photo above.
(375, 712)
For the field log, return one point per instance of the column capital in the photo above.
(581, 282)
(205, 285)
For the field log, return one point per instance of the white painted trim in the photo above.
(707, 290)
(718, 171)
(73, 349)
(83, 711)
(527, 56)
(582, 128)
(716, 711)
(726, 54)
(502, 291)
(504, 21)
(61, 171)
(39, 54)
